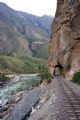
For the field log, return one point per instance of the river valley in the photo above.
(16, 88)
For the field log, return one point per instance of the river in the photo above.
(24, 83)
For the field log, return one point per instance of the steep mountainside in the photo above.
(29, 65)
(65, 42)
(18, 30)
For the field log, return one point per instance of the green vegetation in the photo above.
(20, 65)
(3, 76)
(76, 78)
(44, 74)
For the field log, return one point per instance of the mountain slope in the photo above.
(18, 30)
(10, 64)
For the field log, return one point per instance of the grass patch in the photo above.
(3, 77)
(76, 78)
(20, 65)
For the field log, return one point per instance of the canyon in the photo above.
(19, 30)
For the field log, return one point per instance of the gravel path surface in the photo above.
(52, 109)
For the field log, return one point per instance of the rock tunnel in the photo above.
(58, 70)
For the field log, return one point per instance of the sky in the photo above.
(36, 7)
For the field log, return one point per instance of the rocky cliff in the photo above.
(65, 40)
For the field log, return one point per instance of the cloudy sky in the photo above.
(36, 7)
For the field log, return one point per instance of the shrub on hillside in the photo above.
(44, 74)
(76, 77)
(3, 77)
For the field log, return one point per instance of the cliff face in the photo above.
(65, 40)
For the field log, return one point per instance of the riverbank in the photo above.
(15, 89)
(7, 106)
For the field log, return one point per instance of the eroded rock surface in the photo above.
(65, 39)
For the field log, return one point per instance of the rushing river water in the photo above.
(25, 83)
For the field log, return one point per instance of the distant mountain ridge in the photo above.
(18, 30)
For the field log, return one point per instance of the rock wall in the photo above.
(65, 40)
